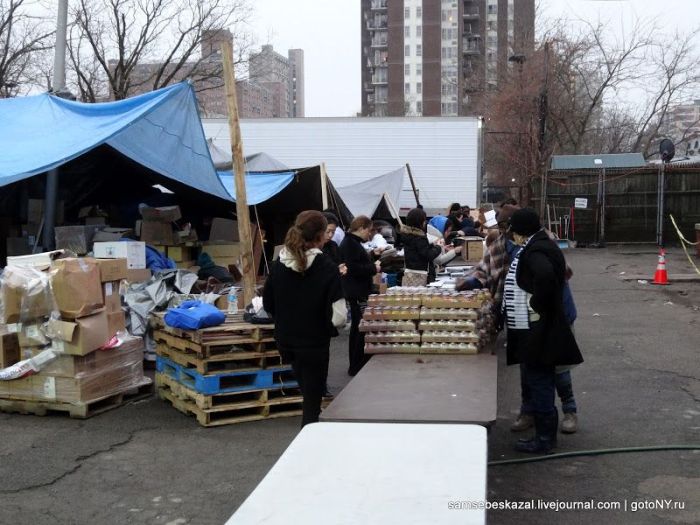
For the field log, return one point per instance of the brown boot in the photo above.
(523, 422)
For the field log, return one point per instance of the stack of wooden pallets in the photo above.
(227, 374)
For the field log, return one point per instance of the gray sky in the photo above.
(329, 33)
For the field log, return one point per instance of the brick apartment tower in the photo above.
(434, 57)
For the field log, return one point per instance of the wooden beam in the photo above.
(413, 184)
(243, 215)
(324, 186)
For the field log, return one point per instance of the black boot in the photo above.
(545, 435)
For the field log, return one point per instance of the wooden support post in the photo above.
(324, 186)
(393, 209)
(243, 215)
(413, 184)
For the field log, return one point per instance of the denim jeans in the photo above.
(564, 387)
(538, 387)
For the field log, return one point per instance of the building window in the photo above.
(407, 12)
(419, 107)
(419, 88)
(419, 12)
(419, 31)
(419, 70)
(407, 88)
(407, 32)
(407, 51)
(419, 50)
(407, 70)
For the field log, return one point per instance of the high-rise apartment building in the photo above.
(434, 57)
(283, 77)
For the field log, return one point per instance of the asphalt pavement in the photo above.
(146, 463)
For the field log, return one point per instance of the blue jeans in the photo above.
(564, 388)
(538, 387)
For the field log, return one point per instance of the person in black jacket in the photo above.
(330, 248)
(304, 296)
(539, 336)
(357, 285)
(419, 254)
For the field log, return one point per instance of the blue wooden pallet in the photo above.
(225, 382)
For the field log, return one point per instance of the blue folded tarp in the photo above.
(160, 130)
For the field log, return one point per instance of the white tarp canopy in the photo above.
(255, 163)
(369, 196)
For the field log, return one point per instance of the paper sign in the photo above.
(490, 218)
(581, 203)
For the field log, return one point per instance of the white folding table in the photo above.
(374, 473)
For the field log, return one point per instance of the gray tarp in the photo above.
(366, 197)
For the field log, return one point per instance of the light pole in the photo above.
(59, 85)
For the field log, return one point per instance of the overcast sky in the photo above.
(329, 33)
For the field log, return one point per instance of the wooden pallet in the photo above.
(241, 361)
(227, 415)
(253, 398)
(82, 410)
(211, 350)
(233, 331)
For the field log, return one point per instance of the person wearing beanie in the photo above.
(539, 336)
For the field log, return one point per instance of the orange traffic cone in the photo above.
(661, 276)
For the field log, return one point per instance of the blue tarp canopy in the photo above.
(259, 187)
(160, 130)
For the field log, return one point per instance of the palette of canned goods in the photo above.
(427, 321)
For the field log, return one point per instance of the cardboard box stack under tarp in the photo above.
(64, 346)
(226, 374)
(423, 320)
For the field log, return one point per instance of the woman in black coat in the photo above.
(419, 253)
(539, 336)
(357, 285)
(304, 295)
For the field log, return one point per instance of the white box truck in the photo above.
(445, 154)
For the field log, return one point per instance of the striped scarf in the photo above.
(515, 299)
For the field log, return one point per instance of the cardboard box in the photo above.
(163, 214)
(156, 232)
(75, 366)
(116, 322)
(111, 297)
(9, 349)
(133, 251)
(82, 336)
(138, 275)
(111, 269)
(113, 234)
(181, 253)
(473, 249)
(77, 239)
(222, 250)
(76, 287)
(224, 230)
(90, 387)
(25, 295)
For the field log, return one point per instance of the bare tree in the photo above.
(123, 47)
(23, 38)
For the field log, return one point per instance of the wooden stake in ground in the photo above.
(248, 269)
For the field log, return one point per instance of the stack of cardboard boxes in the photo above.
(73, 310)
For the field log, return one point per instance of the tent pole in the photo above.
(59, 84)
(324, 186)
(393, 208)
(413, 184)
(242, 212)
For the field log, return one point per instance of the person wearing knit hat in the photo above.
(539, 337)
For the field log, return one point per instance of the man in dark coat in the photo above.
(539, 336)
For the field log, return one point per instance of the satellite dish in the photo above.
(667, 150)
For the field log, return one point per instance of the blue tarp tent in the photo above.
(160, 130)
(259, 187)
